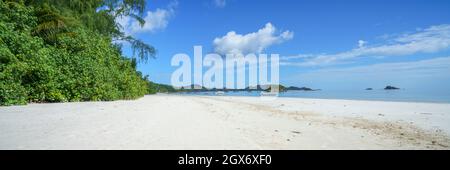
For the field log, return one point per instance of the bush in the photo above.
(81, 66)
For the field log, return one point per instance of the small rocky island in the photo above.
(369, 88)
(391, 88)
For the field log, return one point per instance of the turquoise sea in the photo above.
(406, 95)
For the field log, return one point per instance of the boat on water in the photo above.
(220, 93)
(270, 94)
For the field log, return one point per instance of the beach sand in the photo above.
(224, 122)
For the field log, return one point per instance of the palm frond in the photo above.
(142, 50)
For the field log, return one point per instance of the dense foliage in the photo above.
(49, 53)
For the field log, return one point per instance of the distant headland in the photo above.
(162, 88)
(281, 88)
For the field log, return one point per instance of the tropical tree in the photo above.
(58, 18)
(64, 50)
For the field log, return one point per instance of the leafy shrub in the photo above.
(81, 66)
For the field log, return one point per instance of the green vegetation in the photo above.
(160, 88)
(60, 51)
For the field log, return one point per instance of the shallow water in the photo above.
(378, 95)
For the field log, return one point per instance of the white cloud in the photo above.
(406, 74)
(256, 42)
(429, 40)
(434, 65)
(220, 3)
(154, 20)
(361, 43)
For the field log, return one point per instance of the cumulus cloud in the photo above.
(429, 40)
(220, 3)
(154, 20)
(256, 42)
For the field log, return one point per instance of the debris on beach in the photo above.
(296, 132)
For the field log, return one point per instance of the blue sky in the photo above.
(322, 44)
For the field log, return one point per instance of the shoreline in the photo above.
(325, 98)
(226, 122)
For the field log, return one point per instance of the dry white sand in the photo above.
(200, 122)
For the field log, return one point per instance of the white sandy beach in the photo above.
(213, 122)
